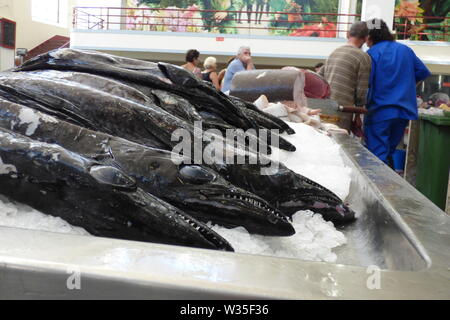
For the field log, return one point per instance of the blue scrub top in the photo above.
(392, 88)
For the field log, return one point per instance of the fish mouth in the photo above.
(336, 212)
(234, 209)
(208, 238)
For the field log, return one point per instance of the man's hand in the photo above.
(247, 59)
(219, 16)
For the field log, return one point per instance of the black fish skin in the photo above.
(153, 75)
(288, 191)
(187, 79)
(146, 124)
(101, 199)
(176, 105)
(98, 110)
(143, 73)
(110, 86)
(212, 199)
(169, 102)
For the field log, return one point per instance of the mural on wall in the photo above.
(256, 17)
(415, 20)
(423, 20)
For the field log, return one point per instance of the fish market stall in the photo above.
(398, 230)
(128, 221)
(315, 238)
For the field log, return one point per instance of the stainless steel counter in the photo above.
(398, 230)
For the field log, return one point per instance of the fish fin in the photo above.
(178, 75)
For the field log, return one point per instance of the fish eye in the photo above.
(196, 175)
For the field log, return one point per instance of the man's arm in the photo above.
(322, 71)
(362, 84)
(421, 72)
(215, 80)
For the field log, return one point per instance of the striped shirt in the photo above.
(347, 70)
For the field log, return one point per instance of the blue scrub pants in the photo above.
(383, 137)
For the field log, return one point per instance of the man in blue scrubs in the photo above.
(396, 70)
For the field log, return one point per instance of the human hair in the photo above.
(209, 62)
(358, 30)
(319, 65)
(379, 31)
(242, 49)
(191, 55)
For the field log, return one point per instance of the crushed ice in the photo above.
(314, 239)
(22, 216)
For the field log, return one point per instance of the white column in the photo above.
(382, 9)
(7, 58)
(344, 22)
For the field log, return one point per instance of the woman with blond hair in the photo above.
(210, 73)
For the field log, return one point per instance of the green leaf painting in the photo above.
(415, 19)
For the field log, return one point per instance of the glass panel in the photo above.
(45, 10)
(50, 11)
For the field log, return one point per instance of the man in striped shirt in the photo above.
(347, 70)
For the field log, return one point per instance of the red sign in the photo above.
(446, 84)
(220, 38)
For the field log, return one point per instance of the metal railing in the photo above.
(422, 27)
(86, 20)
(292, 23)
(203, 21)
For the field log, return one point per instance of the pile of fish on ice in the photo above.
(87, 137)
